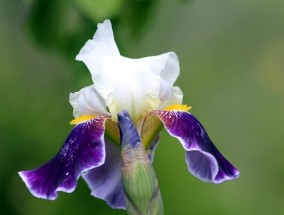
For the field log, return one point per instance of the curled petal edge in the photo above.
(84, 149)
(203, 159)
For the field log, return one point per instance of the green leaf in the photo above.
(98, 10)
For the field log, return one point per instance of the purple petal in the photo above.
(83, 149)
(203, 159)
(128, 133)
(105, 181)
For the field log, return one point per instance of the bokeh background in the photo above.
(232, 73)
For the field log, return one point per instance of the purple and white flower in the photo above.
(144, 89)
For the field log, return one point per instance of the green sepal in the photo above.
(112, 132)
(150, 129)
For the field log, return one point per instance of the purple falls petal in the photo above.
(83, 149)
(105, 181)
(203, 159)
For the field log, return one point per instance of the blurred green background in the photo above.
(232, 73)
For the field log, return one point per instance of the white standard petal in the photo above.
(100, 53)
(136, 85)
(131, 86)
(165, 65)
(175, 97)
(87, 102)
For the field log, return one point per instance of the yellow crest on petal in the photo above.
(81, 119)
(177, 107)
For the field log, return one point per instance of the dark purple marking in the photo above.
(83, 150)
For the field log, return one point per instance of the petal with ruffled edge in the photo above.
(83, 150)
(105, 181)
(87, 102)
(128, 84)
(168, 70)
(203, 159)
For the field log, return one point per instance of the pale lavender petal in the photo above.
(203, 159)
(83, 149)
(105, 181)
(153, 147)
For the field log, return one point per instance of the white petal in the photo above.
(87, 102)
(131, 86)
(166, 65)
(136, 85)
(99, 53)
(175, 97)
(165, 91)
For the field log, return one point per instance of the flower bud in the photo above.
(141, 190)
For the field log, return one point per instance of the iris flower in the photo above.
(130, 101)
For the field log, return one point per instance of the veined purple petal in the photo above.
(83, 150)
(105, 181)
(203, 159)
